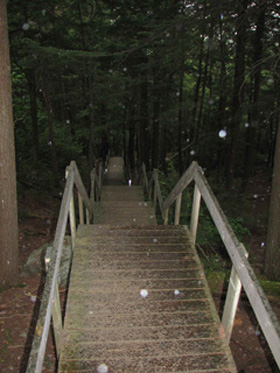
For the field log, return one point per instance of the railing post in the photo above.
(87, 217)
(81, 209)
(72, 215)
(155, 196)
(232, 299)
(57, 320)
(100, 179)
(165, 217)
(195, 213)
(56, 314)
(178, 209)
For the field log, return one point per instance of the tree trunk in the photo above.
(272, 255)
(180, 116)
(143, 122)
(8, 198)
(33, 110)
(91, 151)
(89, 86)
(254, 112)
(238, 91)
(49, 109)
(156, 124)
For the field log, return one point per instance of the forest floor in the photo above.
(19, 305)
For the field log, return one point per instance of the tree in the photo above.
(8, 200)
(272, 255)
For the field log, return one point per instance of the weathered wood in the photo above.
(165, 217)
(100, 179)
(195, 213)
(178, 209)
(232, 299)
(57, 320)
(158, 191)
(145, 179)
(36, 358)
(80, 186)
(92, 186)
(155, 197)
(262, 309)
(185, 180)
(81, 209)
(72, 218)
(87, 216)
(108, 320)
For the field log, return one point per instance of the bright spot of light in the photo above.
(144, 293)
(222, 134)
(25, 26)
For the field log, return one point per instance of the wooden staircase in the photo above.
(109, 325)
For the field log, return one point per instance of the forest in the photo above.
(163, 84)
(160, 83)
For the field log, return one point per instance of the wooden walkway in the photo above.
(138, 300)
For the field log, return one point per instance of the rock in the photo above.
(36, 260)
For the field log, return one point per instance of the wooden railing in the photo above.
(50, 303)
(242, 272)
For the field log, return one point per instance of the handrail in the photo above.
(257, 298)
(50, 304)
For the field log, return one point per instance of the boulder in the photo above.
(36, 260)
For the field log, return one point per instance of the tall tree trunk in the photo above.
(238, 92)
(8, 198)
(91, 150)
(49, 109)
(223, 78)
(197, 85)
(205, 77)
(272, 254)
(89, 87)
(143, 121)
(254, 112)
(180, 116)
(156, 124)
(33, 109)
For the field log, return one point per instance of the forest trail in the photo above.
(138, 299)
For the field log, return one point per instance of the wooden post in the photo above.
(178, 209)
(72, 221)
(100, 179)
(56, 313)
(72, 214)
(165, 217)
(232, 299)
(195, 213)
(81, 209)
(57, 320)
(155, 197)
(87, 217)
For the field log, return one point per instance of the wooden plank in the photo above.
(108, 321)
(158, 191)
(178, 209)
(263, 311)
(232, 299)
(57, 320)
(92, 186)
(72, 219)
(195, 213)
(81, 209)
